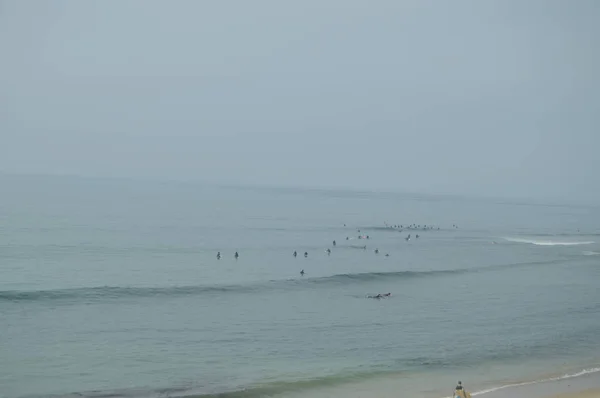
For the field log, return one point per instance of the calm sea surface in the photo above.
(113, 287)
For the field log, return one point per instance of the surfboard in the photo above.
(462, 394)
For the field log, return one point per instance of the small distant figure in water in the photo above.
(407, 238)
(218, 255)
(376, 251)
(368, 237)
(334, 243)
(305, 254)
(302, 272)
(328, 252)
(236, 255)
(387, 254)
(379, 296)
(347, 238)
(295, 253)
(417, 236)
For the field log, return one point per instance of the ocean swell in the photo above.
(89, 294)
(539, 242)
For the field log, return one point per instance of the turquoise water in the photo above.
(113, 287)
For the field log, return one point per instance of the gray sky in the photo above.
(484, 97)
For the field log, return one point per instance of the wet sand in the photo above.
(593, 393)
(587, 386)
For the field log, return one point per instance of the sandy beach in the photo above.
(586, 386)
(592, 393)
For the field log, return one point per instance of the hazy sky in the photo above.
(486, 97)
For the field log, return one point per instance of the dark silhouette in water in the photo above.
(379, 296)
(302, 272)
(295, 253)
(334, 243)
(305, 254)
(236, 255)
(218, 255)
(328, 252)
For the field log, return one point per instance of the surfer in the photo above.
(218, 255)
(302, 272)
(376, 251)
(305, 254)
(236, 255)
(328, 252)
(295, 253)
(459, 386)
(380, 296)
(334, 243)
(417, 236)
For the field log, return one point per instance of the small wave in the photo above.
(108, 292)
(590, 253)
(87, 294)
(577, 234)
(549, 379)
(277, 388)
(548, 242)
(113, 292)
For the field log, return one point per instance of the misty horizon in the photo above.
(494, 99)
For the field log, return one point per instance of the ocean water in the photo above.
(113, 288)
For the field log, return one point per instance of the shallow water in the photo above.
(114, 287)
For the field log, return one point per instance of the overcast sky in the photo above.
(482, 97)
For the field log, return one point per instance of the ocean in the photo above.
(112, 288)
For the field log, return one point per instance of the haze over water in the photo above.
(110, 283)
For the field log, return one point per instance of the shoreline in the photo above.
(585, 383)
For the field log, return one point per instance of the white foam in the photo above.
(587, 253)
(526, 383)
(547, 242)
